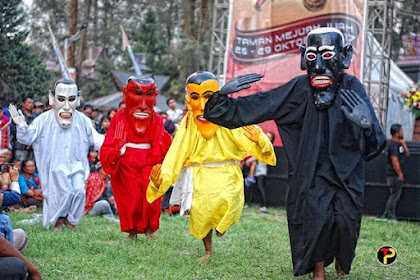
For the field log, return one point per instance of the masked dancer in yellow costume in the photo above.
(202, 157)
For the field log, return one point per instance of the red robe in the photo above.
(130, 172)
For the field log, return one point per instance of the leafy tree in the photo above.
(104, 84)
(407, 19)
(21, 71)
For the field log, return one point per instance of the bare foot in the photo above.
(150, 234)
(132, 236)
(69, 225)
(219, 234)
(338, 269)
(319, 273)
(206, 257)
(59, 225)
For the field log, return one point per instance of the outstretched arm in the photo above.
(252, 109)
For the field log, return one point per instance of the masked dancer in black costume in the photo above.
(329, 129)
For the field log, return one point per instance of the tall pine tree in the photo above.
(21, 71)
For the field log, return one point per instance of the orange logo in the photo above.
(387, 255)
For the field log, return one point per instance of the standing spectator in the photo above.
(396, 167)
(47, 106)
(96, 119)
(104, 124)
(23, 151)
(4, 130)
(173, 113)
(30, 186)
(167, 123)
(88, 110)
(38, 108)
(260, 174)
(112, 112)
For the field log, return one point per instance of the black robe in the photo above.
(326, 154)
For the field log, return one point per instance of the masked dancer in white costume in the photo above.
(60, 138)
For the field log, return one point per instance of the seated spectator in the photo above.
(17, 164)
(93, 158)
(4, 130)
(30, 185)
(9, 155)
(9, 197)
(11, 194)
(13, 265)
(99, 197)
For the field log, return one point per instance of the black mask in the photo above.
(324, 58)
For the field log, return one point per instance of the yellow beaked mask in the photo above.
(196, 98)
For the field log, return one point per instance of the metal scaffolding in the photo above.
(377, 59)
(219, 37)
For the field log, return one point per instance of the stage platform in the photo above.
(376, 193)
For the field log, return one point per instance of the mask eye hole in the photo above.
(310, 56)
(72, 99)
(150, 92)
(195, 96)
(207, 94)
(61, 99)
(328, 55)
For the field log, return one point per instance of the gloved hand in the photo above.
(252, 132)
(360, 113)
(240, 83)
(120, 137)
(155, 176)
(17, 116)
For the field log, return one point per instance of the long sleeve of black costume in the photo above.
(252, 109)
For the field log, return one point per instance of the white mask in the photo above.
(64, 103)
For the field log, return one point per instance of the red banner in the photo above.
(264, 37)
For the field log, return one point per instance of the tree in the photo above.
(407, 20)
(104, 84)
(21, 71)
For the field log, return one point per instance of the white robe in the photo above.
(61, 158)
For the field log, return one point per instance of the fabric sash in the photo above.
(141, 146)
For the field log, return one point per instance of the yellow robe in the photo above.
(218, 195)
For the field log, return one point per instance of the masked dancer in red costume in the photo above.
(136, 140)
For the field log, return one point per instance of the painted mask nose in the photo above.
(319, 65)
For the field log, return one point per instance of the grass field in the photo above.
(255, 248)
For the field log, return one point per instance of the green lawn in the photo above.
(255, 248)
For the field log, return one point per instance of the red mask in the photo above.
(140, 97)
